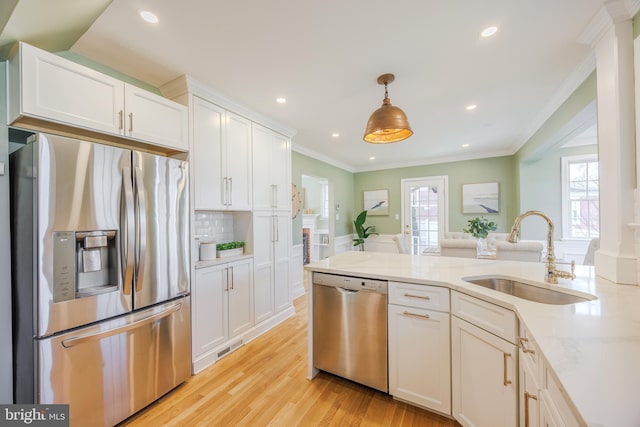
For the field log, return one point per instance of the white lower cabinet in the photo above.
(529, 394)
(419, 351)
(484, 372)
(221, 305)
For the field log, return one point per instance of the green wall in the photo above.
(495, 169)
(340, 185)
(541, 189)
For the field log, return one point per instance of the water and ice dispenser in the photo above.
(85, 263)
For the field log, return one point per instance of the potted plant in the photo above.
(479, 227)
(229, 249)
(362, 231)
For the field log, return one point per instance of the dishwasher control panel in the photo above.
(351, 283)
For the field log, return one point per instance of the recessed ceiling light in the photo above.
(335, 134)
(281, 100)
(489, 31)
(372, 158)
(465, 145)
(150, 17)
(471, 107)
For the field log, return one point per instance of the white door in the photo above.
(206, 156)
(263, 232)
(424, 212)
(237, 154)
(483, 377)
(240, 285)
(209, 309)
(419, 362)
(281, 261)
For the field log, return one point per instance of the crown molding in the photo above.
(571, 83)
(321, 157)
(612, 11)
(186, 84)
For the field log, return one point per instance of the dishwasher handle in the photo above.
(346, 291)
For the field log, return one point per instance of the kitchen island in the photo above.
(591, 348)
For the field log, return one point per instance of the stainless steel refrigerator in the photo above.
(100, 277)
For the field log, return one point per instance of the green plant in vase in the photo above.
(362, 231)
(479, 227)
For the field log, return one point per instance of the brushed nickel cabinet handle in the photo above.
(121, 119)
(505, 356)
(417, 296)
(130, 122)
(420, 316)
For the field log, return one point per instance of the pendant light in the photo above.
(388, 123)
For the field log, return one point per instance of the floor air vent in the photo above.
(226, 350)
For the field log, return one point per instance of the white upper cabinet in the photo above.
(271, 169)
(150, 117)
(47, 87)
(220, 158)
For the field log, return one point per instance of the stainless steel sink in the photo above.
(528, 291)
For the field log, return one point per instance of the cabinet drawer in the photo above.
(490, 317)
(419, 296)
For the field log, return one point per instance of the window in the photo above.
(580, 197)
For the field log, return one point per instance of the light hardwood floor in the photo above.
(265, 383)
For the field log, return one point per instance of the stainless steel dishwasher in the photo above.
(350, 328)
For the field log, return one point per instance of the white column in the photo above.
(616, 260)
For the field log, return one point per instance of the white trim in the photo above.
(297, 283)
(343, 243)
(187, 84)
(321, 157)
(209, 358)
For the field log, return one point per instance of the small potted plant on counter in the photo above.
(479, 227)
(362, 231)
(224, 250)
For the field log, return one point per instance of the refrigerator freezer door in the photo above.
(109, 371)
(68, 195)
(162, 228)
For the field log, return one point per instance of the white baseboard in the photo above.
(209, 358)
(297, 283)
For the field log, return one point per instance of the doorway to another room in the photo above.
(317, 221)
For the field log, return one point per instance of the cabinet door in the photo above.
(281, 166)
(50, 87)
(529, 399)
(209, 309)
(484, 377)
(263, 231)
(549, 416)
(419, 357)
(206, 155)
(240, 277)
(281, 261)
(237, 153)
(152, 118)
(263, 187)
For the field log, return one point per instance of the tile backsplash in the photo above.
(213, 226)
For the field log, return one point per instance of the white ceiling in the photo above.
(324, 58)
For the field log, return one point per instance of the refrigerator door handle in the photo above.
(70, 342)
(127, 231)
(142, 228)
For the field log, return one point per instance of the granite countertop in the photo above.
(593, 347)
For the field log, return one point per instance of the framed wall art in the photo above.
(481, 198)
(376, 202)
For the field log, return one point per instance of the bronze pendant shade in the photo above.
(388, 123)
